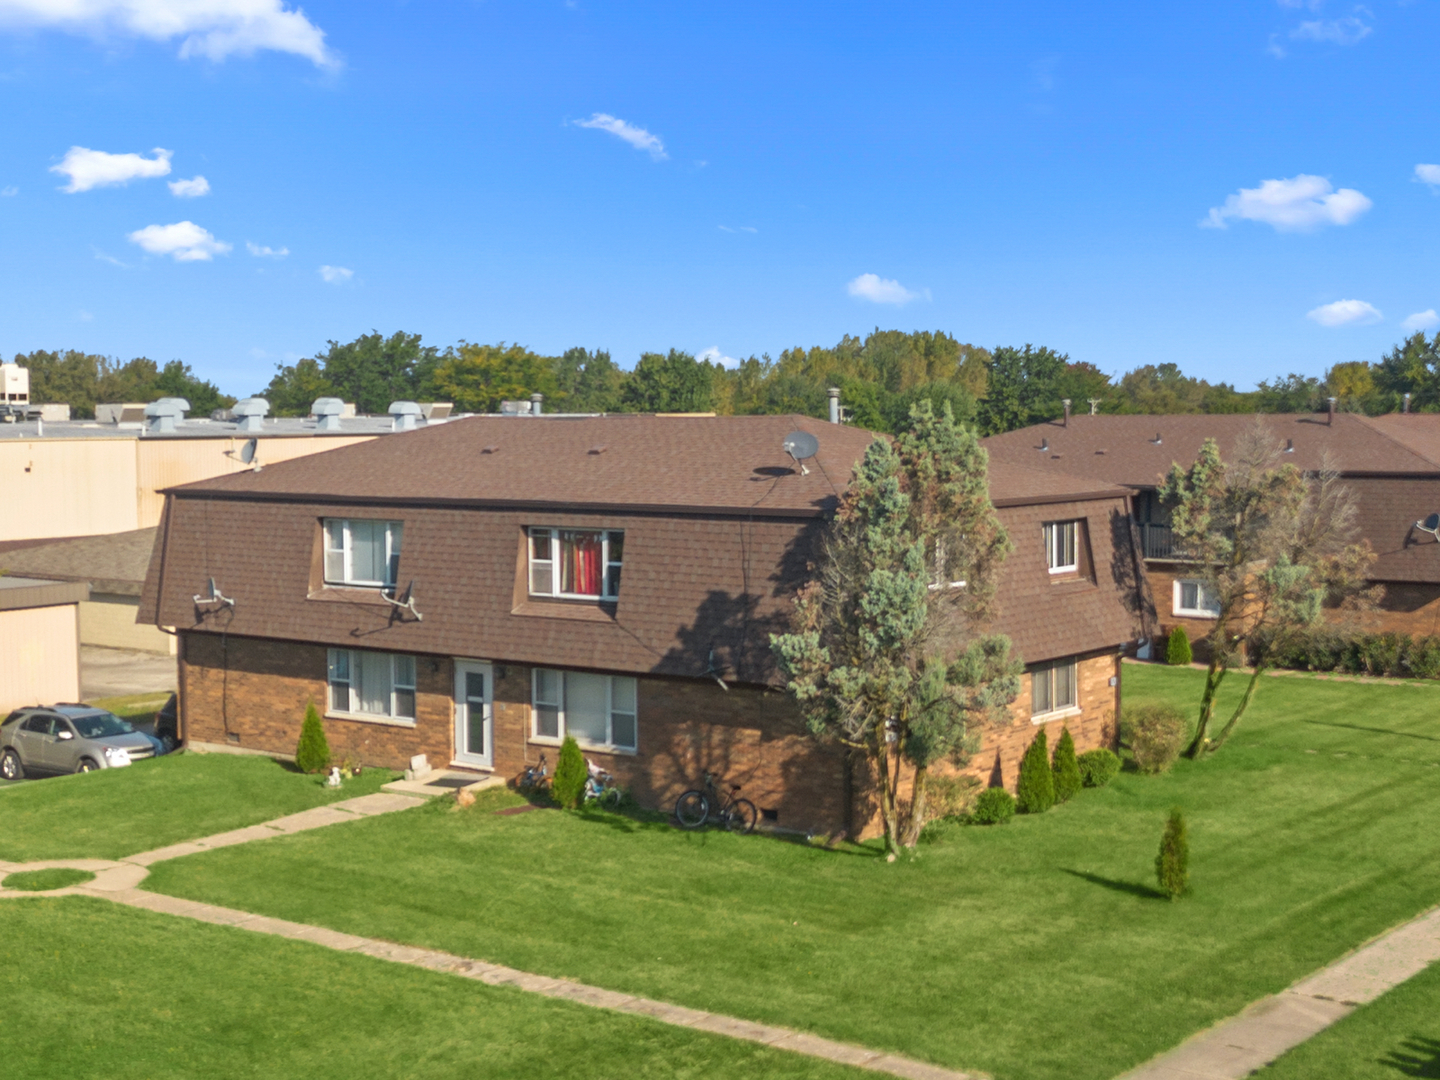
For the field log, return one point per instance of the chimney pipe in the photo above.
(1094, 405)
(834, 395)
(1406, 406)
(537, 404)
(1066, 403)
(1330, 419)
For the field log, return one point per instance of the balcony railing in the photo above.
(1158, 542)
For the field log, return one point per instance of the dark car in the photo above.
(69, 739)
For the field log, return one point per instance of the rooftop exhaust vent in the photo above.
(160, 416)
(327, 412)
(250, 413)
(404, 415)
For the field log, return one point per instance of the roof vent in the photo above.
(1289, 446)
(327, 412)
(599, 449)
(160, 416)
(250, 414)
(1044, 446)
(514, 408)
(491, 449)
(1157, 440)
(404, 414)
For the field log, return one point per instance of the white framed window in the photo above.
(1054, 688)
(598, 710)
(372, 684)
(576, 564)
(1195, 598)
(1060, 547)
(360, 552)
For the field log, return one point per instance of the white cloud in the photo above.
(84, 316)
(637, 137)
(713, 355)
(9, 192)
(1345, 313)
(1301, 203)
(1422, 320)
(883, 290)
(261, 251)
(336, 275)
(103, 257)
(184, 241)
(1427, 174)
(213, 29)
(189, 189)
(95, 168)
(738, 228)
(1347, 31)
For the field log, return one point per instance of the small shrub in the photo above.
(1035, 791)
(950, 796)
(1422, 659)
(568, 786)
(1066, 768)
(1155, 735)
(1172, 865)
(1098, 767)
(1177, 650)
(994, 806)
(312, 752)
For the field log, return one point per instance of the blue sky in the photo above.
(743, 177)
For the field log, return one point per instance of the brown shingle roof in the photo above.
(113, 563)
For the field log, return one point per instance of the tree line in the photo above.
(880, 376)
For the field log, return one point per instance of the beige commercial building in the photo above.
(39, 641)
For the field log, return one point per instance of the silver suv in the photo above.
(69, 739)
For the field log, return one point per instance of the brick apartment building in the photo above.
(475, 591)
(1391, 463)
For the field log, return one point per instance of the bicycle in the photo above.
(533, 778)
(600, 787)
(696, 807)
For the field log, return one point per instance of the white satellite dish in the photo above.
(247, 452)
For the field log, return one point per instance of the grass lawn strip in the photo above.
(990, 950)
(43, 880)
(183, 999)
(1397, 1034)
(113, 813)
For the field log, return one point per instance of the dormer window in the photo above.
(1060, 546)
(576, 564)
(362, 553)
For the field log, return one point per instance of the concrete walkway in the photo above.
(118, 881)
(1236, 1047)
(1231, 1049)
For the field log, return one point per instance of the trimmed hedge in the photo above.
(1326, 649)
(995, 806)
(1098, 767)
(1177, 649)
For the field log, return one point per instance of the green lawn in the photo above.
(1396, 1035)
(1033, 951)
(96, 990)
(117, 812)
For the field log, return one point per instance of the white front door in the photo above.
(474, 724)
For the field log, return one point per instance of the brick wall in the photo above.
(252, 693)
(1407, 608)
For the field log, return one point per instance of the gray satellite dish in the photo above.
(247, 452)
(800, 445)
(1431, 525)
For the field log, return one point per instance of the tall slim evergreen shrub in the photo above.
(312, 752)
(1172, 865)
(1177, 650)
(1035, 792)
(568, 786)
(1066, 768)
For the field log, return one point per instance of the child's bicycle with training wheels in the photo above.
(533, 778)
(601, 789)
(697, 806)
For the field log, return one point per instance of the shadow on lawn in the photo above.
(1417, 1056)
(1373, 730)
(1134, 888)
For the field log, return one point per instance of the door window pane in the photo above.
(586, 707)
(474, 712)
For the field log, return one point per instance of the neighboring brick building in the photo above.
(599, 575)
(1391, 463)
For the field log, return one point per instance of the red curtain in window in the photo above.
(581, 565)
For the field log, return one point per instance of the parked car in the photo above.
(167, 726)
(69, 739)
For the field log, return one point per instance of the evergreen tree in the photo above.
(568, 786)
(1066, 768)
(1177, 648)
(312, 753)
(1172, 865)
(1035, 790)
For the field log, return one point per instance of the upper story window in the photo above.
(372, 684)
(360, 552)
(578, 564)
(1060, 546)
(1053, 689)
(1195, 598)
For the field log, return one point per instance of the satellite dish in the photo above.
(247, 452)
(1430, 525)
(800, 445)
